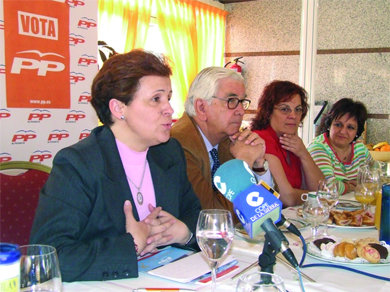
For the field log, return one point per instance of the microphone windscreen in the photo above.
(233, 177)
(254, 205)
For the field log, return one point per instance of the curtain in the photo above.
(123, 24)
(194, 38)
(210, 25)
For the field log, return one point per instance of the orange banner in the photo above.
(36, 35)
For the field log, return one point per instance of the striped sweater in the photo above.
(331, 166)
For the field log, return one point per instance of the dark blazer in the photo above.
(80, 210)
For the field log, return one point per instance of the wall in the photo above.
(353, 56)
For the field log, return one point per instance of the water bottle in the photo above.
(9, 267)
(384, 232)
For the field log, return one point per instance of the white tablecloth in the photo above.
(327, 278)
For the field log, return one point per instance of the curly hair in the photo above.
(355, 109)
(119, 78)
(274, 93)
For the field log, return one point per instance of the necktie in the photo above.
(216, 164)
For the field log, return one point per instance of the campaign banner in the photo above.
(37, 56)
(37, 132)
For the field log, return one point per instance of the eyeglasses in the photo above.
(232, 102)
(286, 110)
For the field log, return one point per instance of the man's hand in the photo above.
(248, 146)
(249, 137)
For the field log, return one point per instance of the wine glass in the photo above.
(367, 184)
(314, 211)
(214, 234)
(329, 194)
(260, 282)
(39, 269)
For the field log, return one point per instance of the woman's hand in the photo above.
(141, 230)
(294, 144)
(174, 231)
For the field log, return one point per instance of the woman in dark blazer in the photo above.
(122, 191)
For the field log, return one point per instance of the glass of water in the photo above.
(214, 234)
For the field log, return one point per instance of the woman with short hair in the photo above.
(336, 150)
(122, 191)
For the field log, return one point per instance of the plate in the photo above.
(314, 252)
(348, 205)
(351, 227)
(241, 232)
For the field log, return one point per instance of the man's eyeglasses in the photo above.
(286, 110)
(232, 102)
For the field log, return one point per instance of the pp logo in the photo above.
(5, 156)
(254, 199)
(4, 113)
(220, 185)
(38, 115)
(75, 3)
(86, 23)
(39, 156)
(23, 136)
(75, 39)
(86, 60)
(42, 66)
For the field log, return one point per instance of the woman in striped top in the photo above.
(336, 151)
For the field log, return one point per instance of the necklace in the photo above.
(344, 155)
(140, 197)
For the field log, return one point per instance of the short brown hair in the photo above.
(119, 78)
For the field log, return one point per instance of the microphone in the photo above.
(287, 224)
(252, 203)
(257, 206)
(278, 241)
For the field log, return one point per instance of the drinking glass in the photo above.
(314, 212)
(39, 269)
(328, 193)
(214, 234)
(367, 184)
(260, 282)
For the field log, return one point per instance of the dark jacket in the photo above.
(80, 209)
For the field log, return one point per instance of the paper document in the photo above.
(190, 268)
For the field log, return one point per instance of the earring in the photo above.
(122, 117)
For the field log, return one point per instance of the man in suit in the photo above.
(213, 115)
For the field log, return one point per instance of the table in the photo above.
(327, 279)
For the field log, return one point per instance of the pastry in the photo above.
(324, 240)
(383, 252)
(345, 249)
(370, 254)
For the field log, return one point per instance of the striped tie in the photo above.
(216, 164)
